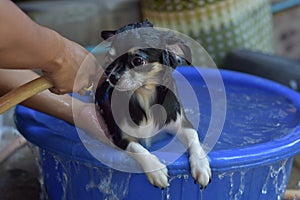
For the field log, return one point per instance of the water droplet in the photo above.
(293, 84)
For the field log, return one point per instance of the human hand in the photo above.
(73, 69)
(27, 45)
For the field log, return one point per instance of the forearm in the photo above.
(60, 106)
(51, 104)
(27, 45)
(23, 42)
(64, 107)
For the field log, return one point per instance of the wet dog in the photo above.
(139, 99)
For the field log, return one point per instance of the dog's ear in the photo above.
(107, 34)
(182, 53)
(187, 53)
(171, 59)
(168, 58)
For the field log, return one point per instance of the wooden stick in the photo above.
(23, 92)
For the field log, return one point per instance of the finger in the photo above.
(88, 75)
(56, 91)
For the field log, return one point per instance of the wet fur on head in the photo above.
(133, 36)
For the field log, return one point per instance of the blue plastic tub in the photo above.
(251, 160)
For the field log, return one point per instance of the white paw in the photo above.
(157, 174)
(159, 178)
(200, 170)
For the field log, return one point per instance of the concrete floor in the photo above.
(18, 174)
(294, 182)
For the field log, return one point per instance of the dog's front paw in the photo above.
(200, 170)
(159, 178)
(157, 173)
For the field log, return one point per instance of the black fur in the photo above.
(164, 97)
(169, 101)
(165, 94)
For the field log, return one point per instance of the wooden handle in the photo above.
(23, 92)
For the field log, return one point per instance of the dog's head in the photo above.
(143, 67)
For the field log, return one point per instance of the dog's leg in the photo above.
(199, 164)
(156, 172)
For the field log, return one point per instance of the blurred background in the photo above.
(263, 30)
(266, 25)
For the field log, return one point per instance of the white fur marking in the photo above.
(156, 172)
(199, 164)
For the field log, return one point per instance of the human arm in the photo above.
(63, 106)
(26, 45)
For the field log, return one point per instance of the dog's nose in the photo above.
(114, 78)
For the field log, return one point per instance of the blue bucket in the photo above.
(251, 159)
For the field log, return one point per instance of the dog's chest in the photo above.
(150, 111)
(150, 130)
(151, 114)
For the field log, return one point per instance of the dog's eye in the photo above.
(138, 61)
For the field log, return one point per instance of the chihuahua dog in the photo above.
(139, 80)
